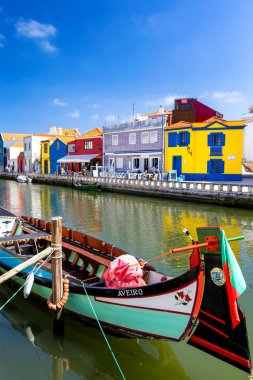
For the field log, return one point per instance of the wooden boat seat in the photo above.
(82, 260)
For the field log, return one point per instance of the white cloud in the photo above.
(110, 118)
(48, 47)
(2, 39)
(59, 102)
(167, 100)
(94, 117)
(34, 29)
(150, 103)
(75, 114)
(95, 105)
(228, 96)
(38, 32)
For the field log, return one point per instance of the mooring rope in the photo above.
(101, 328)
(34, 270)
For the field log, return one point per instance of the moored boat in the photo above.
(86, 186)
(24, 179)
(131, 297)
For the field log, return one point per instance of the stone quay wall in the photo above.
(233, 195)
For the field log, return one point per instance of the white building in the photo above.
(12, 155)
(32, 152)
(248, 136)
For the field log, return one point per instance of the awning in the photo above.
(77, 158)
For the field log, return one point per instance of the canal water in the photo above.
(143, 226)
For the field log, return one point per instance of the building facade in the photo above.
(190, 109)
(248, 136)
(84, 153)
(205, 151)
(135, 146)
(6, 141)
(12, 155)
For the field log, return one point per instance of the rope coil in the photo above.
(63, 300)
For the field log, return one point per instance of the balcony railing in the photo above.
(149, 123)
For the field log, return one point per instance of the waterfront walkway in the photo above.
(233, 194)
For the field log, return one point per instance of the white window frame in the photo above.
(145, 137)
(132, 138)
(115, 139)
(119, 162)
(111, 164)
(153, 136)
(136, 158)
(152, 164)
(71, 148)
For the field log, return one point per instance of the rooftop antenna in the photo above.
(133, 110)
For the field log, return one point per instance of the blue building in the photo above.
(58, 149)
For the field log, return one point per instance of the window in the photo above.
(114, 139)
(145, 137)
(172, 139)
(155, 162)
(45, 148)
(119, 163)
(216, 139)
(29, 146)
(215, 166)
(136, 163)
(88, 144)
(132, 138)
(153, 136)
(57, 145)
(71, 148)
(184, 138)
(215, 150)
(24, 147)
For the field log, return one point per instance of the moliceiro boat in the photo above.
(86, 186)
(130, 297)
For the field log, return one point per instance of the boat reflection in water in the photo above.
(82, 352)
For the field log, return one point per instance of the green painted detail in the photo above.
(209, 231)
(72, 256)
(170, 325)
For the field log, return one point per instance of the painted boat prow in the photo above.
(215, 333)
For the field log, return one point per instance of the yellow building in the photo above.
(45, 155)
(205, 151)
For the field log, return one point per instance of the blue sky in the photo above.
(84, 63)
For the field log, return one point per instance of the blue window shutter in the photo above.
(172, 140)
(221, 166)
(209, 163)
(223, 137)
(188, 138)
(210, 140)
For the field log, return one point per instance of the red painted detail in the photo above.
(232, 297)
(213, 317)
(213, 328)
(213, 243)
(140, 307)
(221, 351)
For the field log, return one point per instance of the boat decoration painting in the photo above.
(130, 296)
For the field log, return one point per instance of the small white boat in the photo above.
(24, 179)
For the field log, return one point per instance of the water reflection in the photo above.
(82, 351)
(146, 227)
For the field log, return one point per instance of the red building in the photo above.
(85, 152)
(190, 109)
(21, 162)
